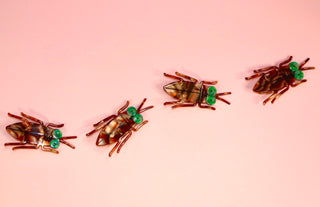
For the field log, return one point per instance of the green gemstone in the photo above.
(211, 91)
(56, 134)
(211, 100)
(137, 118)
(54, 143)
(131, 111)
(298, 75)
(294, 66)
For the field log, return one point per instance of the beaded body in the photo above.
(115, 129)
(276, 80)
(190, 92)
(118, 128)
(34, 134)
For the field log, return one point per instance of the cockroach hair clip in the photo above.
(32, 133)
(118, 128)
(190, 92)
(276, 80)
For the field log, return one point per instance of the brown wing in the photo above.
(273, 81)
(184, 91)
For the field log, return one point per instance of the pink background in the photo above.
(77, 62)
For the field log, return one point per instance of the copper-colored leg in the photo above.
(15, 143)
(264, 69)
(139, 108)
(279, 94)
(124, 141)
(254, 76)
(25, 122)
(123, 108)
(209, 82)
(48, 149)
(285, 62)
(172, 76)
(96, 129)
(31, 118)
(183, 105)
(270, 97)
(104, 120)
(25, 147)
(114, 148)
(171, 102)
(186, 77)
(138, 126)
(298, 83)
(206, 107)
(55, 125)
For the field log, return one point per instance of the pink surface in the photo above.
(77, 62)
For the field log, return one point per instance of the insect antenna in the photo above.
(62, 140)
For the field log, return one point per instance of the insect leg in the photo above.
(15, 143)
(124, 141)
(285, 62)
(172, 76)
(123, 108)
(270, 97)
(209, 82)
(31, 118)
(97, 129)
(139, 110)
(298, 83)
(206, 107)
(104, 120)
(46, 148)
(25, 122)
(264, 69)
(25, 147)
(186, 77)
(183, 105)
(54, 125)
(254, 76)
(279, 94)
(171, 102)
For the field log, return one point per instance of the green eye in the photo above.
(131, 111)
(211, 91)
(211, 100)
(54, 143)
(298, 74)
(294, 66)
(137, 118)
(56, 134)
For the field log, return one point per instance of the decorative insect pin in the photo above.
(192, 92)
(35, 135)
(118, 128)
(277, 80)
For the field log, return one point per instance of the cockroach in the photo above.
(32, 133)
(191, 92)
(118, 128)
(277, 80)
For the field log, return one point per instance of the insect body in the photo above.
(191, 92)
(277, 80)
(118, 128)
(36, 134)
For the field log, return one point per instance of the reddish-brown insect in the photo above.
(118, 128)
(191, 92)
(36, 134)
(277, 80)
